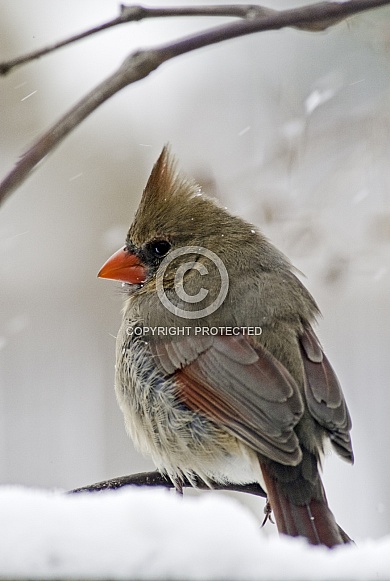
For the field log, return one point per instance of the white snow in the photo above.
(153, 534)
(317, 98)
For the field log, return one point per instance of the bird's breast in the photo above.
(179, 440)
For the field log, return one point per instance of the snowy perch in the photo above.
(152, 534)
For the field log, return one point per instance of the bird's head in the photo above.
(179, 235)
(174, 213)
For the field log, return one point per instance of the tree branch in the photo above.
(143, 62)
(157, 479)
(135, 13)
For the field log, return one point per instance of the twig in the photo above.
(143, 62)
(136, 13)
(157, 479)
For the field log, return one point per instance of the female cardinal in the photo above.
(219, 374)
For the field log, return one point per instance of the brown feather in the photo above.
(323, 394)
(312, 520)
(256, 399)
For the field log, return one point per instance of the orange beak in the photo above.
(124, 267)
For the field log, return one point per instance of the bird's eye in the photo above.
(160, 248)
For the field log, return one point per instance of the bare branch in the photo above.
(157, 479)
(136, 13)
(7, 66)
(143, 62)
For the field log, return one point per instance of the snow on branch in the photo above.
(136, 66)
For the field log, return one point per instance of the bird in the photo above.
(219, 373)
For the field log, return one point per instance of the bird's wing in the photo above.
(239, 386)
(324, 396)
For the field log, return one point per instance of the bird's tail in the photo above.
(311, 519)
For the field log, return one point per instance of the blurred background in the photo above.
(289, 129)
